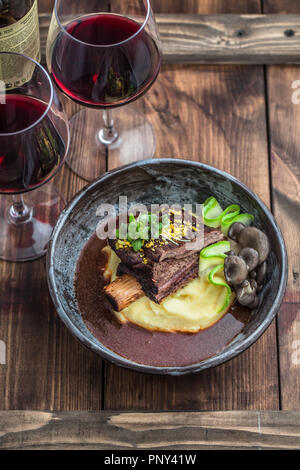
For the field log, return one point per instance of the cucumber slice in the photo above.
(213, 255)
(221, 283)
(228, 220)
(211, 212)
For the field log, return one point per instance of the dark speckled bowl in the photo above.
(157, 181)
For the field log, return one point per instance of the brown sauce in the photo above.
(138, 344)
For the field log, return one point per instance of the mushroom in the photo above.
(234, 230)
(235, 270)
(254, 238)
(250, 256)
(255, 302)
(246, 294)
(261, 273)
(235, 247)
(253, 274)
(230, 253)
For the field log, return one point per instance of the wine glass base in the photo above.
(28, 241)
(87, 155)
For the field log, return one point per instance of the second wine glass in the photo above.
(104, 55)
(34, 140)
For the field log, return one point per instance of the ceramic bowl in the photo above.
(157, 181)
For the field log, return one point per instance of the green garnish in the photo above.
(211, 261)
(219, 282)
(212, 212)
(214, 216)
(137, 244)
(213, 255)
(139, 229)
(245, 219)
(212, 258)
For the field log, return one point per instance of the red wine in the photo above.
(110, 74)
(27, 158)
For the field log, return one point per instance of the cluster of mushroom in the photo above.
(246, 272)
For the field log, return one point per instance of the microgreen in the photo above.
(140, 229)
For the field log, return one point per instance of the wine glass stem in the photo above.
(19, 212)
(108, 135)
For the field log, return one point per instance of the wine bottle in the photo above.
(19, 27)
(19, 32)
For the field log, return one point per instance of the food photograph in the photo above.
(149, 227)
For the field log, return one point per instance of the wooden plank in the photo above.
(58, 373)
(237, 39)
(144, 431)
(46, 368)
(45, 6)
(215, 115)
(284, 116)
(204, 7)
(188, 6)
(281, 6)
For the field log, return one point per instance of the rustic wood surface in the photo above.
(284, 118)
(237, 118)
(223, 109)
(248, 430)
(236, 39)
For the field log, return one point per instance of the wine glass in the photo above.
(105, 54)
(34, 139)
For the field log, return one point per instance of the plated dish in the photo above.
(190, 295)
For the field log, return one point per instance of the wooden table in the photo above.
(241, 119)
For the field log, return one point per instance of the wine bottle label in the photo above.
(24, 37)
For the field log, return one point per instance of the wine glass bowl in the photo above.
(34, 139)
(118, 62)
(103, 55)
(33, 131)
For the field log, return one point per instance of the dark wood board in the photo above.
(36, 430)
(186, 6)
(46, 368)
(215, 115)
(237, 39)
(283, 7)
(284, 118)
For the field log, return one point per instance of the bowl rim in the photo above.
(119, 360)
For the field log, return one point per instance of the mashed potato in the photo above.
(190, 309)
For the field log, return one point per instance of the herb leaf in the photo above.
(137, 244)
(139, 229)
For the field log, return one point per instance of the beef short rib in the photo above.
(158, 280)
(162, 269)
(161, 252)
